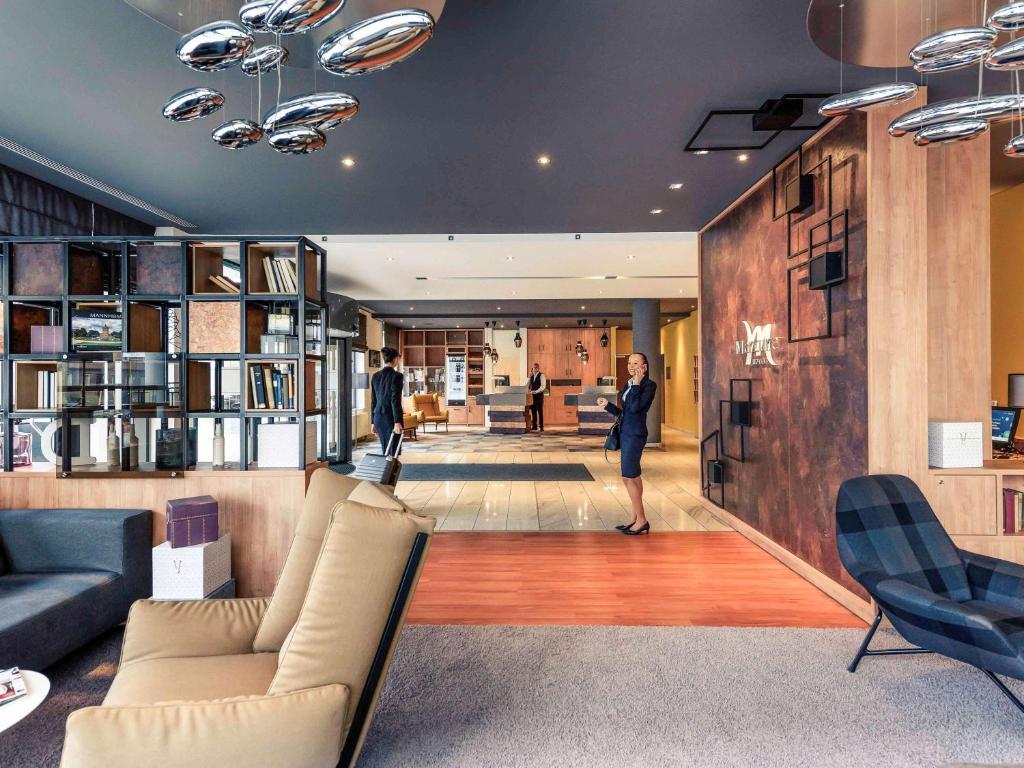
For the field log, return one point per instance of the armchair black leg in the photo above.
(1006, 691)
(863, 650)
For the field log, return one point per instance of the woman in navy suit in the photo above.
(636, 398)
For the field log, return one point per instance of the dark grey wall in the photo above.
(32, 208)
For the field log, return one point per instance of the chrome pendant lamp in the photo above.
(295, 126)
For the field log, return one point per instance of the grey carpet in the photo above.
(625, 697)
(528, 472)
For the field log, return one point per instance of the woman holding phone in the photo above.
(636, 399)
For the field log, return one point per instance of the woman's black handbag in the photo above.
(611, 442)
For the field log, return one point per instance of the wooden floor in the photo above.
(668, 579)
(547, 552)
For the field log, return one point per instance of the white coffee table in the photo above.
(38, 686)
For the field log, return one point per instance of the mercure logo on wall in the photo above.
(759, 346)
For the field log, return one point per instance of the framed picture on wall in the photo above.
(373, 358)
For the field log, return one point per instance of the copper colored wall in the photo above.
(810, 418)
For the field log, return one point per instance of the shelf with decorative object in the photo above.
(156, 335)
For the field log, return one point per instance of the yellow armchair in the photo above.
(433, 413)
(285, 682)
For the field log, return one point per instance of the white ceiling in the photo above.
(511, 267)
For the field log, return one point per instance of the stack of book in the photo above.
(225, 284)
(272, 385)
(47, 396)
(12, 685)
(1013, 510)
(281, 274)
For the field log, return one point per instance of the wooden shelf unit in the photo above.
(428, 350)
(160, 286)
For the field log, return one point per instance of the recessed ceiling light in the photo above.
(543, 160)
(676, 185)
(655, 211)
(631, 257)
(391, 258)
(600, 291)
(410, 309)
(545, 325)
(414, 325)
(348, 162)
(499, 308)
(743, 157)
(701, 152)
(458, 326)
(515, 293)
(510, 258)
(583, 306)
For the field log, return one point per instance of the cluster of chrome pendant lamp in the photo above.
(955, 119)
(298, 125)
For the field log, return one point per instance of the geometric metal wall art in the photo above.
(740, 415)
(773, 117)
(712, 470)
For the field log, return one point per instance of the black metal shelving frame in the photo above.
(305, 306)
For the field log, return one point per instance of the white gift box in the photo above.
(279, 444)
(955, 444)
(191, 573)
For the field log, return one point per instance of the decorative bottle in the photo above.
(113, 447)
(218, 446)
(133, 447)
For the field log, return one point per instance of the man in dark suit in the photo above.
(386, 401)
(536, 385)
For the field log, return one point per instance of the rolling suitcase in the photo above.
(381, 469)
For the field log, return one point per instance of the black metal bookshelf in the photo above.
(159, 287)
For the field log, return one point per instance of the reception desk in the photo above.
(507, 410)
(591, 418)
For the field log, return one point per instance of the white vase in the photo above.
(218, 446)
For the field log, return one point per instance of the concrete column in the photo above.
(647, 339)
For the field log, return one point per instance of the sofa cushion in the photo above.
(44, 616)
(326, 488)
(373, 495)
(197, 678)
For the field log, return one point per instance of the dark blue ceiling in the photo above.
(445, 142)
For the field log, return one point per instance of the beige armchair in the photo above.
(284, 682)
(433, 413)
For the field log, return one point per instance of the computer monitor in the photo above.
(1004, 426)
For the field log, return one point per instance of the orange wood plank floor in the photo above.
(667, 579)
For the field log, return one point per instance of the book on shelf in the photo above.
(228, 286)
(46, 390)
(273, 386)
(281, 274)
(12, 685)
(1013, 510)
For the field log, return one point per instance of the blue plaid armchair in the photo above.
(943, 600)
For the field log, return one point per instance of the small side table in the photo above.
(38, 686)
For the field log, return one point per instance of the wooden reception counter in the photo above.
(592, 419)
(507, 410)
(259, 508)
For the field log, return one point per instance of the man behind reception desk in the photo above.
(536, 385)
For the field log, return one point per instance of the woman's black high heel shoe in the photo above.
(624, 526)
(645, 528)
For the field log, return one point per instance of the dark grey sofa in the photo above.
(67, 576)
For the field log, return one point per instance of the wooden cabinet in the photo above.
(966, 505)
(475, 415)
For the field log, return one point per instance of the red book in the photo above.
(1009, 510)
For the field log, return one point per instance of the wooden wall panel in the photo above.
(810, 422)
(959, 284)
(259, 509)
(897, 261)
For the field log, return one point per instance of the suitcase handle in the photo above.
(398, 448)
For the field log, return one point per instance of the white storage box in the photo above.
(191, 573)
(955, 444)
(279, 444)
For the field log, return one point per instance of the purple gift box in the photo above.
(46, 339)
(192, 521)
